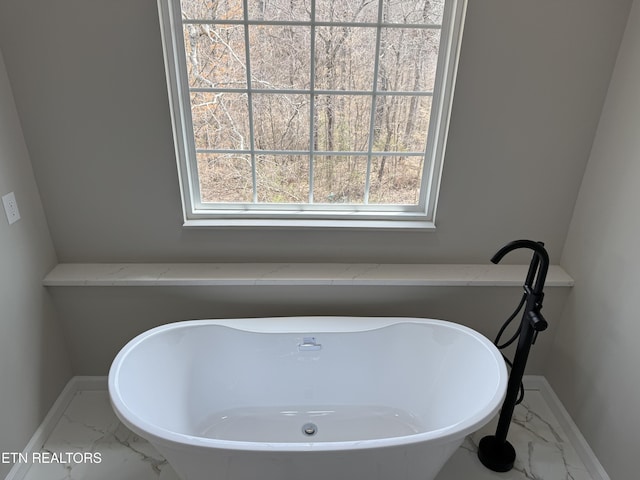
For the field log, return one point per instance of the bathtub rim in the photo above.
(305, 324)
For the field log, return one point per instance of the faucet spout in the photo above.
(539, 262)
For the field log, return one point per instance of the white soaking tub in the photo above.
(307, 398)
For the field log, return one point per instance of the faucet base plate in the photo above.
(495, 455)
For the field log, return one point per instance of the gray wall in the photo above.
(33, 360)
(89, 82)
(96, 334)
(594, 368)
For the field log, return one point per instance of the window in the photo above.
(310, 112)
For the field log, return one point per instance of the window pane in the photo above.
(280, 56)
(220, 121)
(401, 123)
(408, 59)
(413, 11)
(283, 178)
(339, 179)
(345, 58)
(288, 10)
(281, 122)
(342, 123)
(225, 178)
(395, 180)
(212, 9)
(365, 11)
(215, 56)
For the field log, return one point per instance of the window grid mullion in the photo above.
(305, 23)
(372, 122)
(294, 91)
(327, 153)
(312, 106)
(254, 174)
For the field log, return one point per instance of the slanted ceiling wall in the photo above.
(34, 365)
(594, 366)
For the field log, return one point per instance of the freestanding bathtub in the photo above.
(307, 398)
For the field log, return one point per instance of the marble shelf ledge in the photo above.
(284, 274)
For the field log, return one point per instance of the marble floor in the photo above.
(90, 427)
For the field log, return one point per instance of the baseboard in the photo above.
(19, 470)
(531, 382)
(540, 383)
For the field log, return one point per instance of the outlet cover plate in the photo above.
(11, 208)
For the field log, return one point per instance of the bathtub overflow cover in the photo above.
(309, 429)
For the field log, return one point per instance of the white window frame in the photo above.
(420, 216)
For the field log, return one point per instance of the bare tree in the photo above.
(280, 61)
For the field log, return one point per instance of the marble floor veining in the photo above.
(107, 450)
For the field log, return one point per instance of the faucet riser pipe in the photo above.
(494, 451)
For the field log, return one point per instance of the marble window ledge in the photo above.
(284, 274)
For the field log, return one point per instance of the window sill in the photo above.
(310, 217)
(296, 223)
(294, 274)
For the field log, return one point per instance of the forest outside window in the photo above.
(310, 112)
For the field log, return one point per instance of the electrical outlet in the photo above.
(11, 208)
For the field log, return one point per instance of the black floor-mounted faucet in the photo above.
(494, 451)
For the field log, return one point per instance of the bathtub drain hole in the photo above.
(309, 429)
